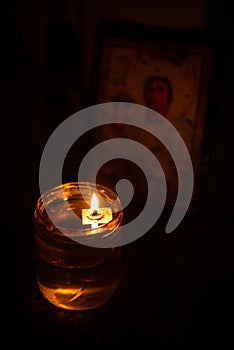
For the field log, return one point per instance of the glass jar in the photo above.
(70, 274)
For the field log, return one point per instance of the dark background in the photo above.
(176, 290)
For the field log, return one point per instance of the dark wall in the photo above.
(219, 23)
(46, 79)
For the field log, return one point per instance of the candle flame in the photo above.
(94, 202)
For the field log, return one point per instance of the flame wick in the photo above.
(94, 204)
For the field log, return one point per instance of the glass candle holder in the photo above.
(73, 275)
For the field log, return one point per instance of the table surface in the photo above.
(176, 289)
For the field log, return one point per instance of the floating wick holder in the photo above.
(99, 216)
(95, 214)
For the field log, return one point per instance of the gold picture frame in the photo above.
(181, 63)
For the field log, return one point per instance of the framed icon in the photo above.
(170, 71)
